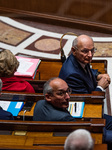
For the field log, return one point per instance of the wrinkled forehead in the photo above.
(85, 42)
(58, 84)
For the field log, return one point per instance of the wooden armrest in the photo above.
(94, 125)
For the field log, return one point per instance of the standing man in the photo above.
(76, 69)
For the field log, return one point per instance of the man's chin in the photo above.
(87, 61)
(65, 106)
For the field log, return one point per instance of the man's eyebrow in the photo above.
(88, 49)
(62, 89)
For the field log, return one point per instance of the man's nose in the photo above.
(67, 95)
(89, 53)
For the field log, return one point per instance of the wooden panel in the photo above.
(92, 111)
(52, 126)
(48, 134)
(97, 138)
(12, 140)
(100, 65)
(48, 69)
(94, 100)
(96, 147)
(51, 68)
(83, 10)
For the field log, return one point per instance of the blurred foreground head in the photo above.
(79, 140)
(8, 63)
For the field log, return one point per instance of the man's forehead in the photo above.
(58, 84)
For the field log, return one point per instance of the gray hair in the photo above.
(79, 140)
(75, 41)
(47, 88)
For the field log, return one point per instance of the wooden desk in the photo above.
(45, 133)
(93, 102)
(5, 147)
(49, 68)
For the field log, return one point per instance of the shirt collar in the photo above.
(82, 65)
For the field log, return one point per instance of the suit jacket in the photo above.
(76, 77)
(5, 115)
(44, 111)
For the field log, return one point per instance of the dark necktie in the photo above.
(88, 71)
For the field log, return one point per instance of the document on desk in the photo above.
(27, 67)
(13, 107)
(76, 109)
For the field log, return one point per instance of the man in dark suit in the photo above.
(81, 78)
(54, 107)
(76, 67)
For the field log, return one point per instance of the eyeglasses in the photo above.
(86, 51)
(63, 93)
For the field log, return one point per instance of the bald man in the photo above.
(54, 107)
(81, 78)
(76, 69)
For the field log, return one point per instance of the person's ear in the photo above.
(48, 97)
(73, 50)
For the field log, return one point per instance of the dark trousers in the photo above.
(107, 135)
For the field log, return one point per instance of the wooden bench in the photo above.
(49, 68)
(93, 102)
(45, 134)
(4, 147)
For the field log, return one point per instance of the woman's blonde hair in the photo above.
(8, 63)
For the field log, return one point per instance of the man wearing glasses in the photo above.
(54, 107)
(76, 69)
(81, 78)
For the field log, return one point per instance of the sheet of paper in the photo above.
(24, 66)
(5, 104)
(76, 108)
(18, 105)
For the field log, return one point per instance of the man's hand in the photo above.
(106, 76)
(103, 80)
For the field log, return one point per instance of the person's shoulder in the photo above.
(5, 115)
(41, 101)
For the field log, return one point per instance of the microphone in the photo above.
(63, 57)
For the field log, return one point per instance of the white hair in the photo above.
(79, 140)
